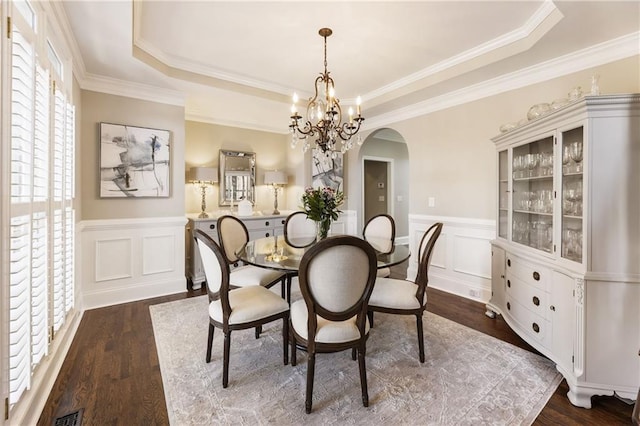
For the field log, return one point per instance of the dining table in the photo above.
(277, 253)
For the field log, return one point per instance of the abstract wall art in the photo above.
(134, 161)
(327, 170)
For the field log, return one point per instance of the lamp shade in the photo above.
(204, 174)
(275, 178)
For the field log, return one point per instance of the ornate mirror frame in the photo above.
(237, 178)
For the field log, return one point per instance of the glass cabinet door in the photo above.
(532, 203)
(503, 194)
(572, 205)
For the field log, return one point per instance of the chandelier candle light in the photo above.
(324, 116)
(203, 176)
(275, 179)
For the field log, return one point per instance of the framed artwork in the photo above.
(134, 161)
(327, 171)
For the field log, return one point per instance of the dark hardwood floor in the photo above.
(112, 371)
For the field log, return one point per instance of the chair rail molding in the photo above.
(131, 259)
(461, 262)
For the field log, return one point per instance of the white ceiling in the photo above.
(238, 62)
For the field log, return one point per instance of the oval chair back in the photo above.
(299, 230)
(232, 234)
(425, 251)
(216, 268)
(380, 232)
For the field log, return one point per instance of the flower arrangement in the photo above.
(321, 205)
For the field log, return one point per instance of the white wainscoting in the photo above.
(346, 224)
(461, 261)
(131, 259)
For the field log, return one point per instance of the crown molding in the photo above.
(177, 63)
(603, 53)
(543, 20)
(130, 89)
(192, 115)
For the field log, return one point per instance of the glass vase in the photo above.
(322, 228)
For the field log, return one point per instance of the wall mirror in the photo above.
(237, 177)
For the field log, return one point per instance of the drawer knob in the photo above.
(553, 308)
(266, 234)
(536, 301)
(536, 276)
(535, 327)
(508, 306)
(508, 262)
(509, 283)
(282, 221)
(266, 224)
(212, 226)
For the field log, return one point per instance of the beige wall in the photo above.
(204, 142)
(100, 107)
(451, 156)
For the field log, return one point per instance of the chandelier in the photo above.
(324, 116)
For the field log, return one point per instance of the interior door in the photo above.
(376, 188)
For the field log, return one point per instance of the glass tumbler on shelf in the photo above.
(566, 159)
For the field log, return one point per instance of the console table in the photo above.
(259, 226)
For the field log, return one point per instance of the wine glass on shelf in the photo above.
(575, 152)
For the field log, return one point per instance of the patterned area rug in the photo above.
(469, 378)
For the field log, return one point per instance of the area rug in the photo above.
(468, 378)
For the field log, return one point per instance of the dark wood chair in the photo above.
(337, 276)
(236, 309)
(380, 232)
(402, 297)
(299, 232)
(233, 235)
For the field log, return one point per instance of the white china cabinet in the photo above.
(566, 260)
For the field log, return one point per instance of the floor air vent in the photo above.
(71, 419)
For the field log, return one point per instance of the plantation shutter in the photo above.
(41, 215)
(22, 158)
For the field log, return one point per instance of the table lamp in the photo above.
(203, 176)
(275, 179)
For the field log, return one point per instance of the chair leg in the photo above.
(353, 354)
(258, 331)
(285, 338)
(283, 287)
(289, 280)
(292, 340)
(370, 315)
(210, 342)
(311, 363)
(225, 365)
(363, 374)
(420, 337)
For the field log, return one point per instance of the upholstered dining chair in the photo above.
(336, 280)
(299, 232)
(404, 297)
(236, 309)
(233, 234)
(380, 232)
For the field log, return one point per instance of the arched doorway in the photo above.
(384, 165)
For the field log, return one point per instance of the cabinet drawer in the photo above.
(255, 224)
(528, 296)
(208, 227)
(534, 325)
(529, 273)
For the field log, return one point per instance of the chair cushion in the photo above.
(249, 304)
(383, 272)
(328, 331)
(249, 275)
(395, 294)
